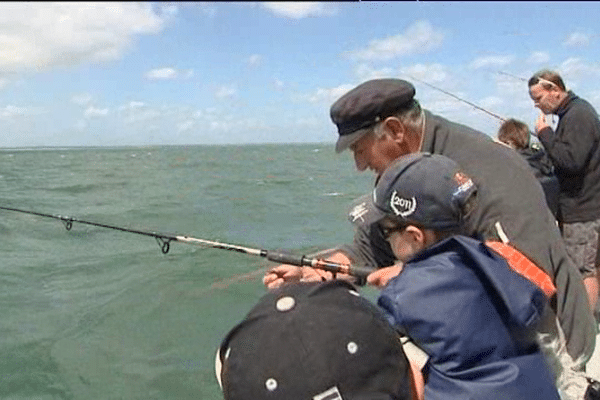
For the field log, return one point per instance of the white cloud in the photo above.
(186, 126)
(577, 39)
(538, 57)
(328, 95)
(298, 10)
(576, 65)
(226, 92)
(161, 73)
(92, 111)
(82, 99)
(43, 35)
(170, 10)
(135, 104)
(3, 82)
(168, 73)
(418, 38)
(431, 73)
(254, 60)
(278, 84)
(491, 61)
(441, 104)
(10, 111)
(490, 102)
(205, 8)
(574, 69)
(511, 86)
(594, 98)
(365, 72)
(137, 111)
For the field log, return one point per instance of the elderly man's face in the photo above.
(375, 153)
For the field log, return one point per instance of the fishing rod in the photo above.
(460, 99)
(512, 76)
(525, 80)
(164, 241)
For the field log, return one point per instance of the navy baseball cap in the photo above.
(317, 340)
(367, 104)
(429, 190)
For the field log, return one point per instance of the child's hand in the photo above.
(381, 277)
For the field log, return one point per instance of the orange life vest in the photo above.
(523, 266)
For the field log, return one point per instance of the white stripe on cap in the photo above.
(329, 394)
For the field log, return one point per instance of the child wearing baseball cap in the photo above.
(314, 341)
(454, 297)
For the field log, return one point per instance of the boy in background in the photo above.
(516, 135)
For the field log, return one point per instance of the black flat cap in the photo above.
(367, 104)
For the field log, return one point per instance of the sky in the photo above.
(177, 73)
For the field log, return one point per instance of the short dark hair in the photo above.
(514, 132)
(551, 77)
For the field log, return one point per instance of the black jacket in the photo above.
(508, 193)
(574, 151)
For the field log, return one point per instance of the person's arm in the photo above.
(570, 148)
(380, 278)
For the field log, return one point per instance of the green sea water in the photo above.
(96, 313)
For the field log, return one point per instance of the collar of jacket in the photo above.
(564, 106)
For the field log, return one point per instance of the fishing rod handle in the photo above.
(286, 258)
(358, 272)
(303, 261)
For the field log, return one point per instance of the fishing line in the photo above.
(460, 99)
(525, 80)
(512, 76)
(164, 241)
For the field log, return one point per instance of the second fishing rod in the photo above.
(165, 239)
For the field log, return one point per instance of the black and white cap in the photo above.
(313, 341)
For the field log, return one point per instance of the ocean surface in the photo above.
(96, 313)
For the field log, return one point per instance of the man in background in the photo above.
(574, 150)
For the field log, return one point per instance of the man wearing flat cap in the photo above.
(380, 121)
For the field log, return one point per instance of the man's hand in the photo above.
(286, 273)
(541, 123)
(382, 276)
(277, 276)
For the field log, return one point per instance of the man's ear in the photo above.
(395, 129)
